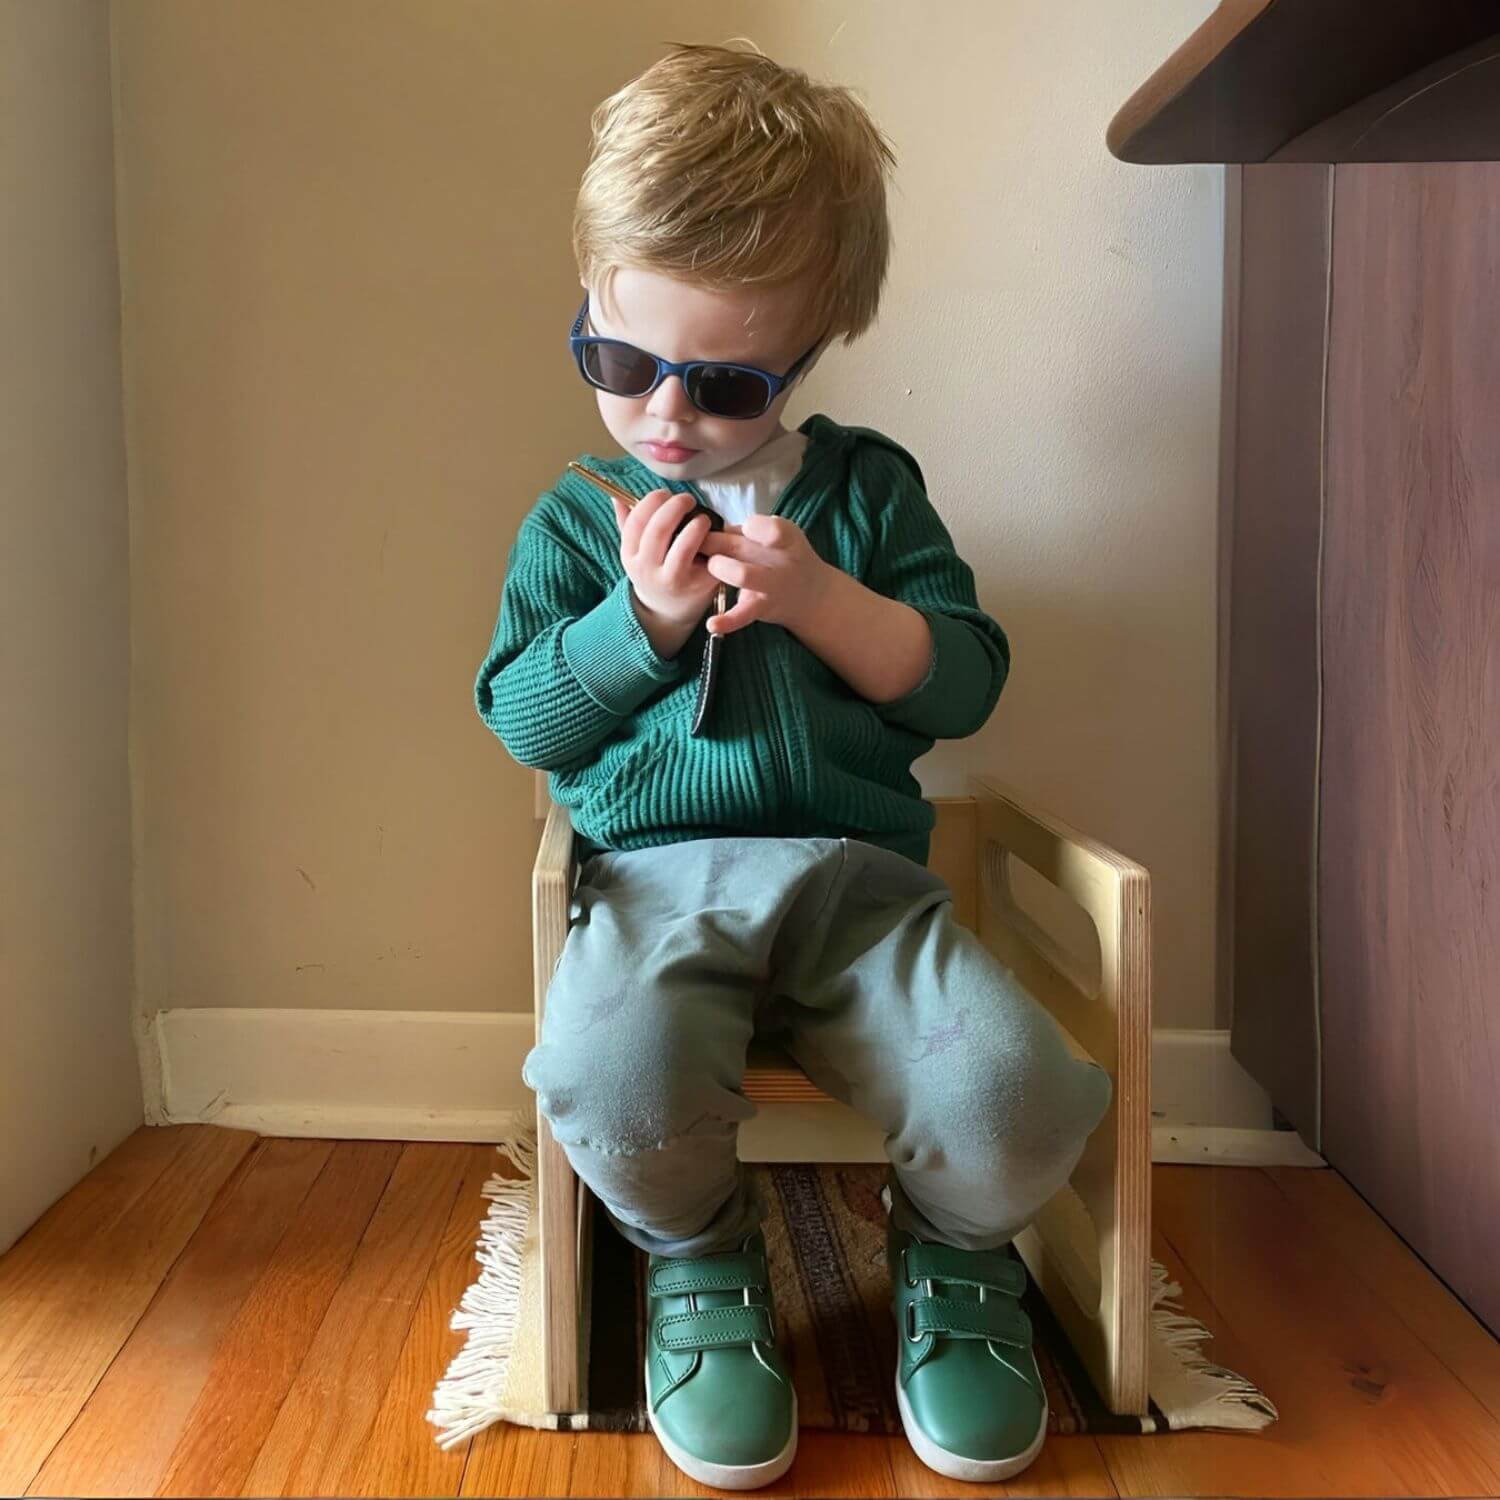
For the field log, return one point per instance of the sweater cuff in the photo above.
(936, 703)
(611, 655)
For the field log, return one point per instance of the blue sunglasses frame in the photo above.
(775, 384)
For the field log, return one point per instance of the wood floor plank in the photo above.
(616, 1464)
(1067, 1465)
(602, 1464)
(313, 1447)
(509, 1460)
(265, 1344)
(76, 1299)
(1382, 1260)
(842, 1463)
(401, 1456)
(651, 1472)
(219, 1308)
(830, 1463)
(106, 1191)
(1390, 1403)
(1289, 1458)
(123, 1440)
(29, 1270)
(633, 1463)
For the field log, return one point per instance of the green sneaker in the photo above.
(967, 1383)
(718, 1392)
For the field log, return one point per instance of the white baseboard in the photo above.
(456, 1076)
(1225, 1146)
(1205, 1108)
(348, 1074)
(1196, 1081)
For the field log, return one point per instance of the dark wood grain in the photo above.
(1257, 74)
(1270, 521)
(1409, 883)
(1443, 112)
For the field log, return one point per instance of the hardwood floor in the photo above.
(214, 1313)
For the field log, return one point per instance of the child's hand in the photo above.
(770, 561)
(669, 578)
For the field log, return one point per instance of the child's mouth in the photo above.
(669, 453)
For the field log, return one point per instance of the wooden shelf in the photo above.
(1311, 80)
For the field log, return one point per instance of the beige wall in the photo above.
(348, 283)
(70, 1088)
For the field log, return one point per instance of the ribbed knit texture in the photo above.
(572, 685)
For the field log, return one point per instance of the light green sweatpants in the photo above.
(846, 955)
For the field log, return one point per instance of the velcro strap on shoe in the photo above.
(715, 1328)
(1003, 1322)
(715, 1273)
(987, 1268)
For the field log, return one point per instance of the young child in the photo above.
(767, 875)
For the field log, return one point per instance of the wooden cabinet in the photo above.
(1359, 643)
(1361, 648)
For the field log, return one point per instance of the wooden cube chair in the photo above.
(1089, 1249)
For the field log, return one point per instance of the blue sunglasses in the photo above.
(738, 392)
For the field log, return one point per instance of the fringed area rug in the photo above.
(825, 1235)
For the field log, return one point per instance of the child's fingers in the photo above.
(735, 572)
(725, 544)
(742, 612)
(763, 528)
(680, 554)
(664, 518)
(635, 523)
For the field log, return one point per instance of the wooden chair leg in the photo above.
(561, 1200)
(559, 1192)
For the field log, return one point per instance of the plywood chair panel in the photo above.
(1089, 1248)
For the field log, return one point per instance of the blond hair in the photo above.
(726, 170)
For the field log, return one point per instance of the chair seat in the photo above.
(772, 1077)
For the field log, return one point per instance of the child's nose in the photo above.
(670, 401)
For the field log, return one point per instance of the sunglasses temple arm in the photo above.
(599, 482)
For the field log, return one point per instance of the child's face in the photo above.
(669, 318)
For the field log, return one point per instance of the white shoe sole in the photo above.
(728, 1476)
(955, 1465)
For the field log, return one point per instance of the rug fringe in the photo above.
(464, 1401)
(1191, 1390)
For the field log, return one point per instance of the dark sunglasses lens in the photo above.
(726, 392)
(618, 368)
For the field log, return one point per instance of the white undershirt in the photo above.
(754, 485)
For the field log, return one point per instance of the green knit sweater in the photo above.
(572, 685)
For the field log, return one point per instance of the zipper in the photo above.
(782, 766)
(771, 713)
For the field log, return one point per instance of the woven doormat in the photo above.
(825, 1239)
